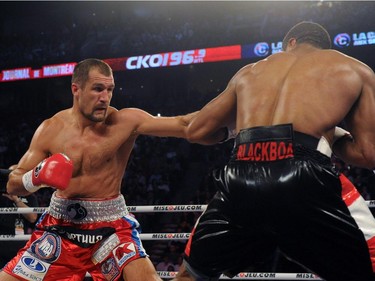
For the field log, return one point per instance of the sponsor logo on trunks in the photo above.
(124, 252)
(81, 237)
(105, 248)
(265, 151)
(110, 269)
(33, 264)
(47, 247)
(84, 238)
(30, 268)
(76, 211)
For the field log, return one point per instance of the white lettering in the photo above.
(156, 60)
(46, 247)
(360, 36)
(360, 43)
(15, 74)
(143, 62)
(57, 70)
(167, 59)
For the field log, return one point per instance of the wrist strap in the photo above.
(27, 180)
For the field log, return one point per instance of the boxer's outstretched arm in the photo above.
(160, 126)
(216, 121)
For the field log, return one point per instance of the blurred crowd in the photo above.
(164, 170)
(121, 30)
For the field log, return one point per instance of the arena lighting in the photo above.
(341, 41)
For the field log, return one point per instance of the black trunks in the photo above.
(277, 192)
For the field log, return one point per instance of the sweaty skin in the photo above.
(312, 88)
(98, 138)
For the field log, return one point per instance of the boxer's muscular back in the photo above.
(314, 91)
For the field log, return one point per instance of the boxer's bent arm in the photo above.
(35, 153)
(351, 153)
(361, 123)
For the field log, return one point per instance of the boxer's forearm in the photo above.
(353, 154)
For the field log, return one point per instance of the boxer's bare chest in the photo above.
(90, 150)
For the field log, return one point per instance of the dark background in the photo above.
(47, 32)
(35, 34)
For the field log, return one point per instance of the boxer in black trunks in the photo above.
(278, 190)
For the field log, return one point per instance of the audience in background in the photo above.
(160, 169)
(120, 33)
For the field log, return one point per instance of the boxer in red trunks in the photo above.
(361, 214)
(83, 152)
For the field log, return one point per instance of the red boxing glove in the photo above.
(54, 171)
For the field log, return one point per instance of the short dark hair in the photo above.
(82, 69)
(309, 32)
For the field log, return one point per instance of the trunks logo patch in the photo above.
(265, 151)
(76, 211)
(30, 268)
(124, 252)
(33, 264)
(110, 269)
(47, 247)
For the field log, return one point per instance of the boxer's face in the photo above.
(94, 98)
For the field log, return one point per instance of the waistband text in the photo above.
(265, 151)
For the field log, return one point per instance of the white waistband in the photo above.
(86, 211)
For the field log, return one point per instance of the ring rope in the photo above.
(134, 209)
(254, 276)
(143, 236)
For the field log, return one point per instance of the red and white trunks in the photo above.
(78, 236)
